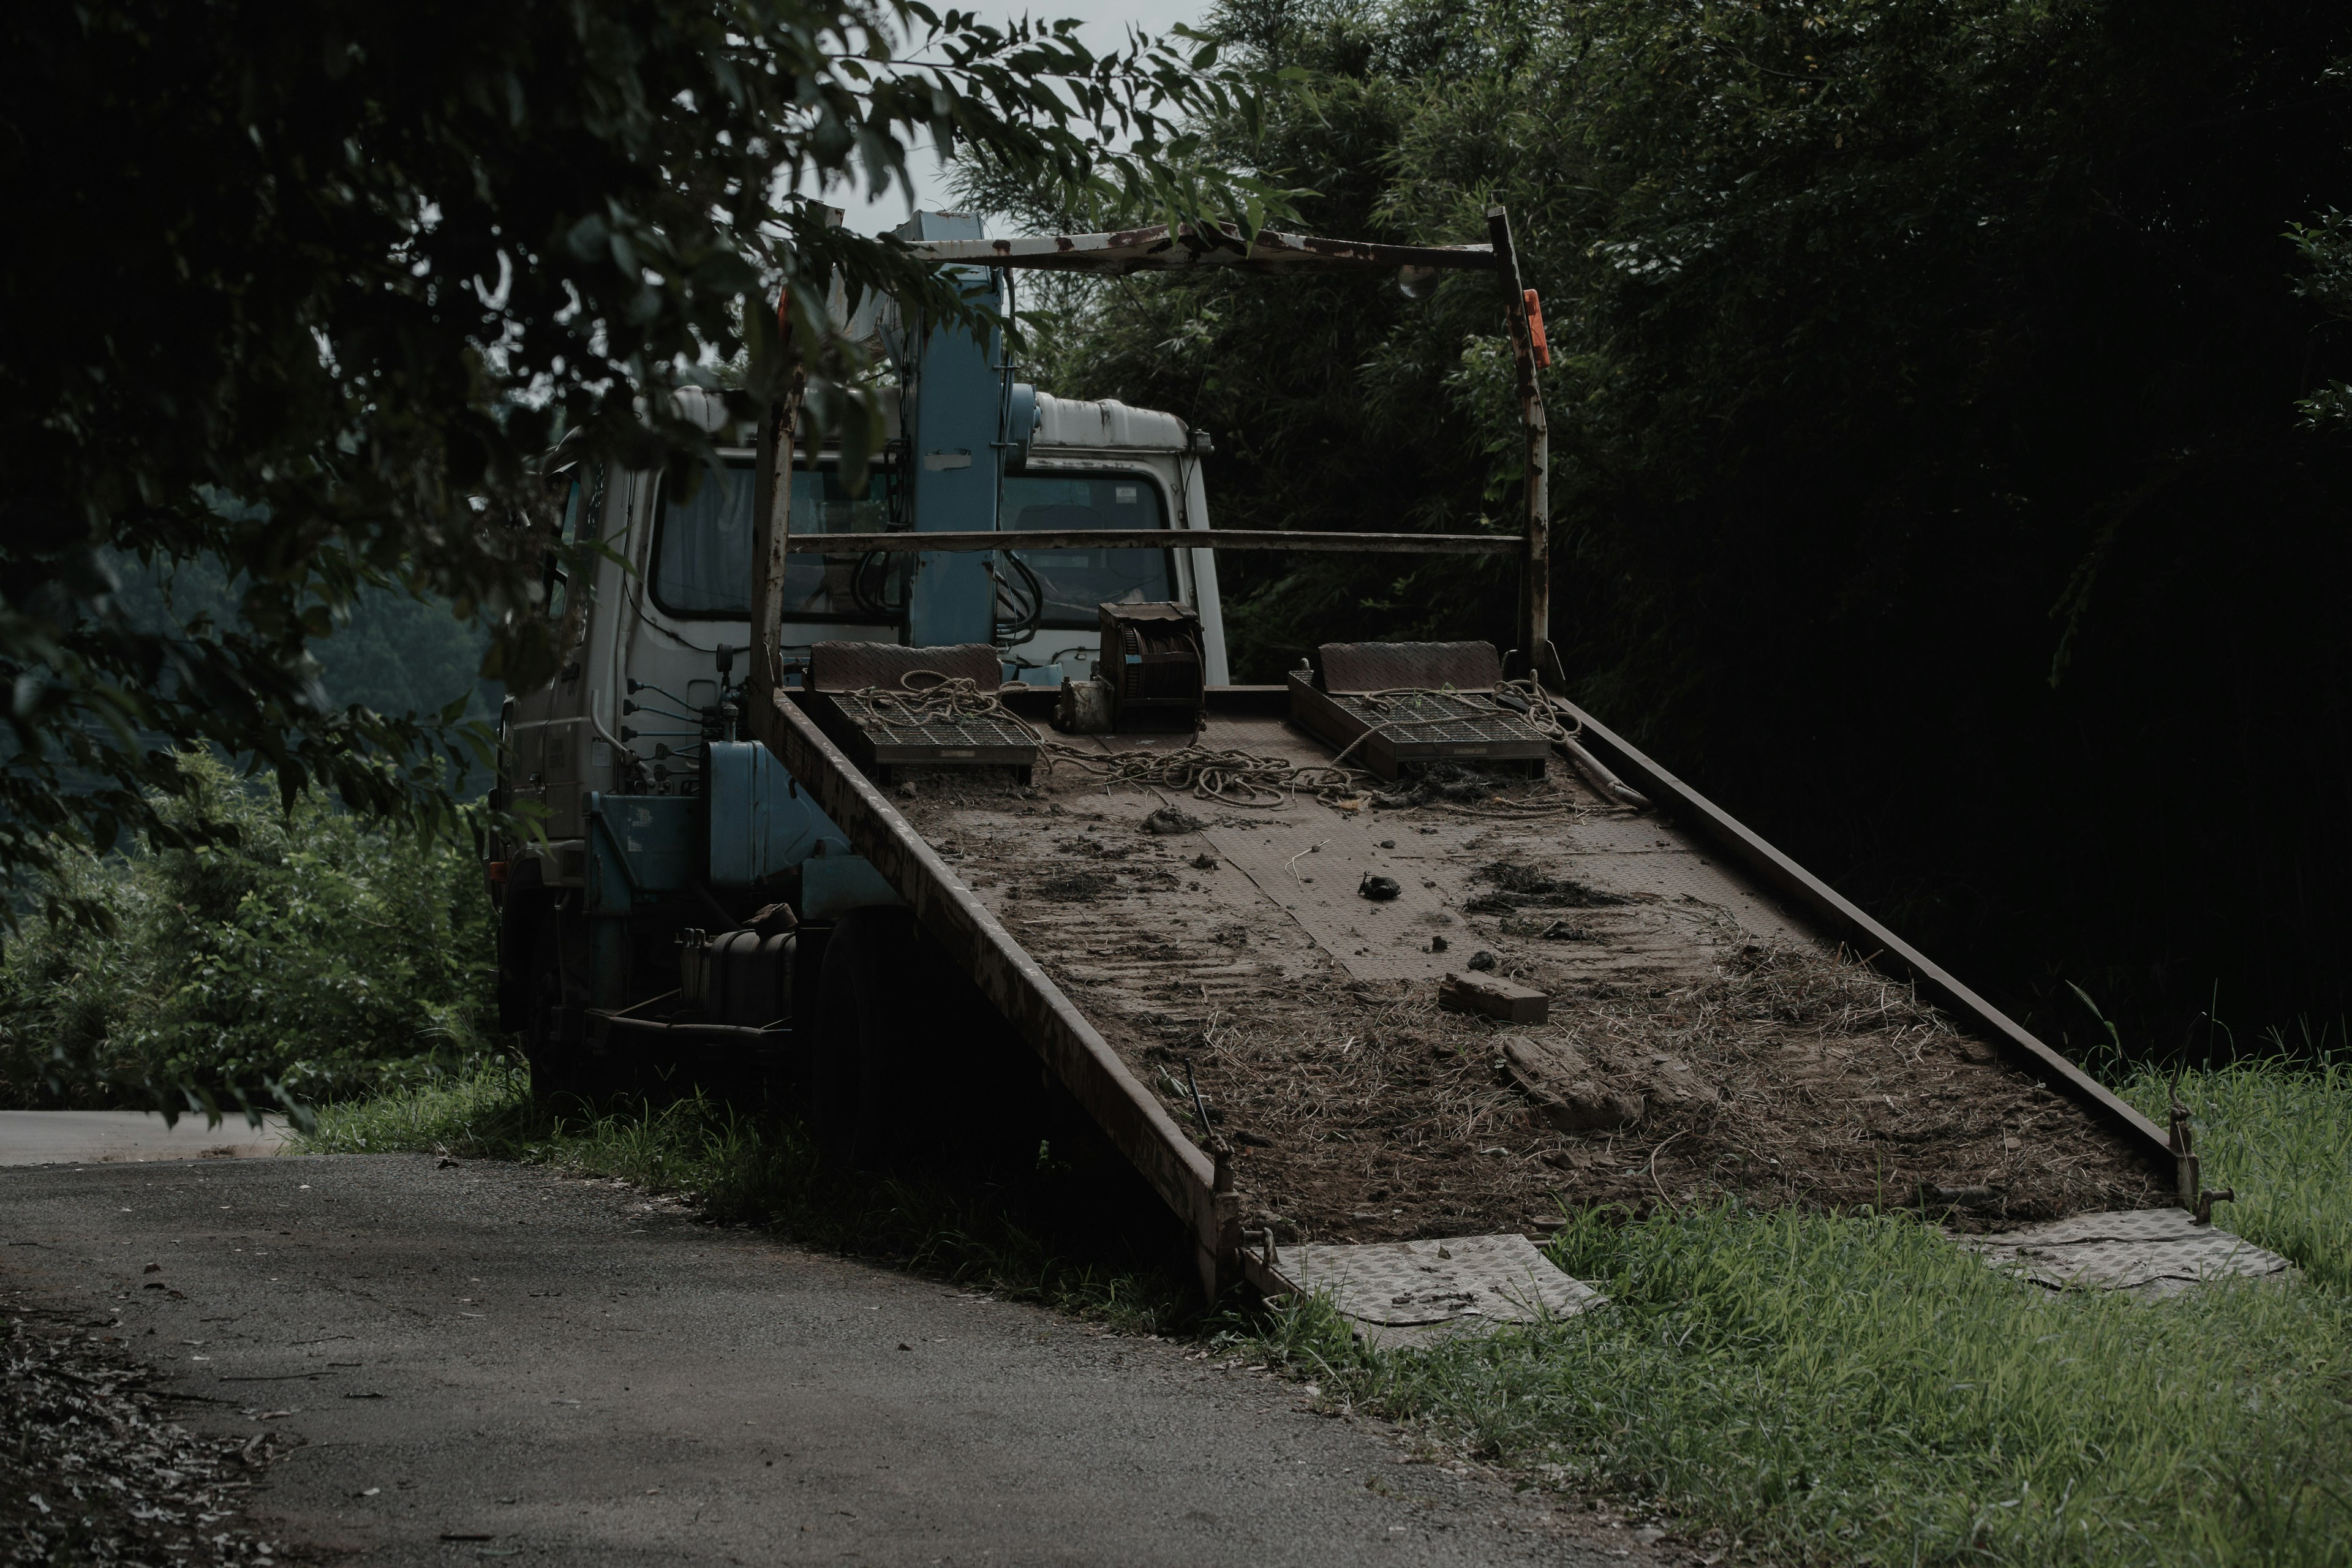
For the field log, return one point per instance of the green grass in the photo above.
(1059, 1235)
(1809, 1388)
(2279, 1131)
(1821, 1389)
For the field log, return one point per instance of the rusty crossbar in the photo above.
(1163, 538)
(1136, 1123)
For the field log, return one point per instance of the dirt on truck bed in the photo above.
(1703, 1042)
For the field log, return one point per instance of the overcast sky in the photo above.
(1105, 25)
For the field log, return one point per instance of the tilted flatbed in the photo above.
(1754, 1033)
(1375, 1030)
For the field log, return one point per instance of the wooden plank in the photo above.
(1129, 1115)
(1496, 998)
(1846, 922)
(1161, 538)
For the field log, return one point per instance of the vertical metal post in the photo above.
(771, 516)
(950, 413)
(1535, 578)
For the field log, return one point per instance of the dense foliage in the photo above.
(390, 651)
(307, 288)
(254, 956)
(1948, 417)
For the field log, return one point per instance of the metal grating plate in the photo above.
(1438, 718)
(1395, 665)
(1462, 1282)
(2150, 1252)
(854, 666)
(887, 730)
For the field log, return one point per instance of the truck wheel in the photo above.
(556, 1081)
(864, 1018)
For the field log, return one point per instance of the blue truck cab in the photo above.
(681, 885)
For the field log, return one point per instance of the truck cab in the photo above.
(674, 851)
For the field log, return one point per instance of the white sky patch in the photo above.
(1105, 27)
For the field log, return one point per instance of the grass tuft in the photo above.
(1856, 1390)
(2279, 1131)
(1017, 1236)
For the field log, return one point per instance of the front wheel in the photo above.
(556, 1082)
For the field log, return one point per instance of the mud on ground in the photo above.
(1760, 1066)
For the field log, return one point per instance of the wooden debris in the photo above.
(1566, 1095)
(1494, 996)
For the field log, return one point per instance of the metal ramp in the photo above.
(2151, 1253)
(1399, 1294)
(1413, 1292)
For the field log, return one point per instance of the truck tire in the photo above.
(556, 1082)
(865, 1033)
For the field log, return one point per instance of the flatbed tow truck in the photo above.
(1370, 975)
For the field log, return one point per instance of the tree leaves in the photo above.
(307, 288)
(1884, 330)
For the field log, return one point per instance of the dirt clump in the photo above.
(1447, 784)
(1513, 888)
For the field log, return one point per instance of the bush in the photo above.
(292, 955)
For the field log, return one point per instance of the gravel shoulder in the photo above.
(484, 1360)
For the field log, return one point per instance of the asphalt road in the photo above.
(64, 1137)
(483, 1360)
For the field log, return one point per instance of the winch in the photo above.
(1151, 662)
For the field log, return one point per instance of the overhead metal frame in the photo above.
(1191, 247)
(1186, 246)
(909, 542)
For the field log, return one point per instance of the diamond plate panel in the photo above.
(1309, 861)
(1399, 666)
(2156, 1252)
(1402, 1284)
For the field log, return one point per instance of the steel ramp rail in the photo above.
(1133, 1119)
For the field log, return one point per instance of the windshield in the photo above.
(1075, 581)
(702, 556)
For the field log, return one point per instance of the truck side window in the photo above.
(1075, 581)
(702, 556)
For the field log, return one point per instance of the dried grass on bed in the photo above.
(1362, 1112)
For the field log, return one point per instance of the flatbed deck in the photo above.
(1696, 979)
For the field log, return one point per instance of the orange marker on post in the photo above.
(1535, 343)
